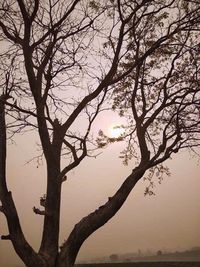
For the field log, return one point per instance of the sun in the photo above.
(115, 131)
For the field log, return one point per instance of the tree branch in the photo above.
(56, 25)
(6, 237)
(33, 15)
(38, 211)
(99, 217)
(15, 38)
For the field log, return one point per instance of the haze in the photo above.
(168, 220)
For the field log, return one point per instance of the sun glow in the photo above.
(115, 131)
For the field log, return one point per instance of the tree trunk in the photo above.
(50, 237)
(49, 256)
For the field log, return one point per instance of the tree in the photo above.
(61, 63)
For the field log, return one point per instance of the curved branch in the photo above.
(104, 83)
(98, 218)
(23, 249)
(15, 38)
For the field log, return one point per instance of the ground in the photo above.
(143, 264)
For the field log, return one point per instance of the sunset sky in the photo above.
(168, 221)
(69, 68)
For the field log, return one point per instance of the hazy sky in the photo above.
(168, 220)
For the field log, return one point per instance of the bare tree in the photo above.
(62, 62)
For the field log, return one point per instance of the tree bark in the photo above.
(3, 187)
(50, 237)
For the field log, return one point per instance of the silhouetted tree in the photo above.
(62, 61)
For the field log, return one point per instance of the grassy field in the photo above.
(143, 264)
